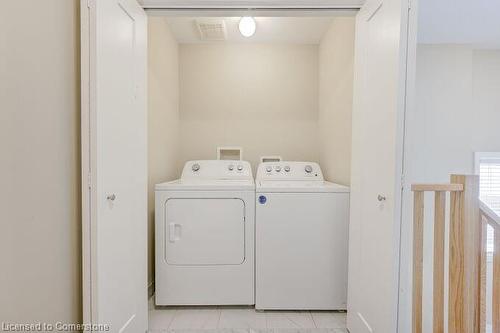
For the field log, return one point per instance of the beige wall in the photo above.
(458, 103)
(163, 117)
(336, 56)
(262, 97)
(40, 238)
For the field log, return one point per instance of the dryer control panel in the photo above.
(286, 170)
(217, 170)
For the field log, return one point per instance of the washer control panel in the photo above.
(217, 170)
(285, 170)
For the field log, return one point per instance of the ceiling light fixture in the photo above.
(247, 26)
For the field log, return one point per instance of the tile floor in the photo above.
(243, 319)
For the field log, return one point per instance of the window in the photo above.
(487, 166)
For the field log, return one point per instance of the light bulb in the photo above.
(247, 26)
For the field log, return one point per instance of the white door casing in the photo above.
(114, 164)
(246, 4)
(377, 162)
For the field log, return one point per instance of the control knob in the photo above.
(240, 167)
(308, 169)
(287, 168)
(195, 167)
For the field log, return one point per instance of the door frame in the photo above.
(87, 35)
(88, 120)
(251, 4)
(406, 230)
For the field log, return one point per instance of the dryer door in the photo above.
(205, 231)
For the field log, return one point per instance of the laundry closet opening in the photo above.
(284, 91)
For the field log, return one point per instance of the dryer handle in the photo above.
(173, 236)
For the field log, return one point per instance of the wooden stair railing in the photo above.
(491, 218)
(465, 232)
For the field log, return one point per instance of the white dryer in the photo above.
(301, 238)
(204, 232)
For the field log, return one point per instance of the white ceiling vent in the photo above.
(211, 29)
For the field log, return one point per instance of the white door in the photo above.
(378, 121)
(114, 132)
(205, 231)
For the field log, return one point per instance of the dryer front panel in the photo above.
(204, 231)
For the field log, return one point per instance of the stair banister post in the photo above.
(465, 257)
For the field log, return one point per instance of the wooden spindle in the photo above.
(456, 264)
(484, 256)
(418, 243)
(438, 272)
(496, 281)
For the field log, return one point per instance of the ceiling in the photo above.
(303, 30)
(459, 22)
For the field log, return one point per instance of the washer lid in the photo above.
(206, 185)
(270, 186)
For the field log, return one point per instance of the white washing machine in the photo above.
(301, 238)
(204, 231)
